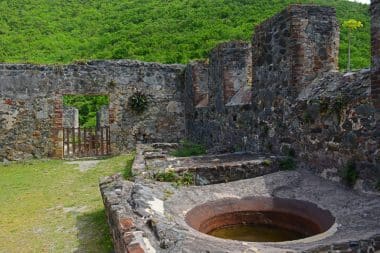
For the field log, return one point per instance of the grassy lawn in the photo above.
(52, 206)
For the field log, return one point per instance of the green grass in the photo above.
(168, 31)
(49, 206)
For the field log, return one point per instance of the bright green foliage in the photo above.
(352, 24)
(188, 148)
(178, 179)
(138, 102)
(52, 206)
(87, 105)
(168, 31)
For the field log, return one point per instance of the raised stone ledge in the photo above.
(152, 159)
(121, 220)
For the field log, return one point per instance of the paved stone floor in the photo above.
(159, 209)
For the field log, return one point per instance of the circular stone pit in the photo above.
(280, 219)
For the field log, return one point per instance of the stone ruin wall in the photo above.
(375, 82)
(298, 99)
(282, 92)
(31, 106)
(226, 82)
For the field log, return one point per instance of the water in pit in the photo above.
(256, 233)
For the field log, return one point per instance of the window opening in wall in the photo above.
(86, 130)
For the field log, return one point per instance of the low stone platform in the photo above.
(149, 216)
(152, 159)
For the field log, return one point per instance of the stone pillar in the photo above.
(230, 70)
(102, 117)
(57, 132)
(375, 76)
(196, 85)
(70, 117)
(290, 49)
(314, 42)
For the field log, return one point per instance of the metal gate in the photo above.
(86, 142)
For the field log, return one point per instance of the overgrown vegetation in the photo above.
(188, 148)
(173, 31)
(138, 101)
(349, 173)
(287, 163)
(377, 186)
(52, 206)
(88, 106)
(178, 179)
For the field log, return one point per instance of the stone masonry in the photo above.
(151, 216)
(31, 106)
(298, 102)
(280, 94)
(291, 49)
(375, 35)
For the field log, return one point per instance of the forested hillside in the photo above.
(167, 31)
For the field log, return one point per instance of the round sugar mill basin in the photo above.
(260, 219)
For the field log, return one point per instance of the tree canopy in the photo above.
(167, 31)
(88, 106)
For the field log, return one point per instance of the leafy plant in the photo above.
(188, 148)
(166, 176)
(185, 178)
(377, 186)
(267, 162)
(349, 173)
(287, 164)
(323, 106)
(338, 105)
(307, 118)
(138, 102)
(291, 152)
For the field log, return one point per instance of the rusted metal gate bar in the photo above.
(86, 142)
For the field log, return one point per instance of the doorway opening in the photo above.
(86, 129)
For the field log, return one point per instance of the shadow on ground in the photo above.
(93, 233)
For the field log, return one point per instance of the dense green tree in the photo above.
(87, 105)
(168, 31)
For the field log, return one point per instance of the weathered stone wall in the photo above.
(375, 35)
(126, 237)
(292, 48)
(221, 121)
(330, 123)
(298, 102)
(229, 71)
(31, 107)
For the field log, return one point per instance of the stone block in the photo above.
(135, 248)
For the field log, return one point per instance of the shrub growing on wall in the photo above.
(138, 102)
